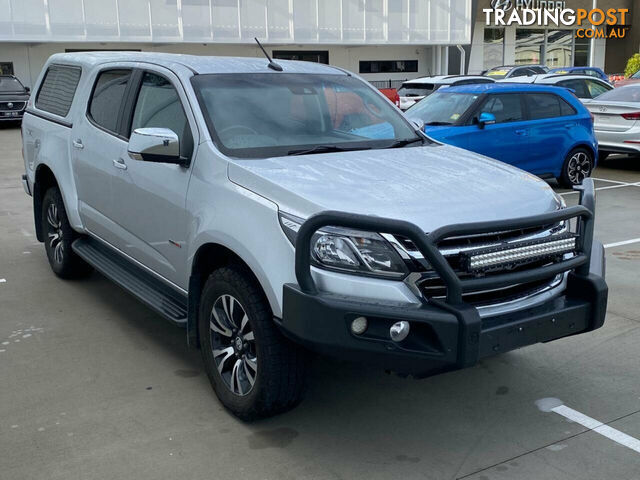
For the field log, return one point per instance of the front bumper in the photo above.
(444, 335)
(13, 117)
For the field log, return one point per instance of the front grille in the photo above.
(15, 106)
(455, 249)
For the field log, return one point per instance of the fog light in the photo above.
(399, 331)
(359, 325)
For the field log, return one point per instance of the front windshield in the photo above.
(442, 108)
(498, 73)
(275, 114)
(10, 84)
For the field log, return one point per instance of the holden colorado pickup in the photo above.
(271, 209)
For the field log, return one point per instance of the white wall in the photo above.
(28, 60)
(360, 22)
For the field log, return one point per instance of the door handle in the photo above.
(78, 144)
(522, 133)
(119, 163)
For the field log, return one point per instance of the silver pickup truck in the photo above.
(271, 209)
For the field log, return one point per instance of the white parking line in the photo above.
(603, 188)
(598, 427)
(624, 242)
(613, 181)
(3, 280)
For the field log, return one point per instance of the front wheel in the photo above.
(577, 166)
(255, 371)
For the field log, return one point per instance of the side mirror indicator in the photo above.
(486, 119)
(160, 145)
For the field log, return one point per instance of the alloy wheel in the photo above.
(233, 344)
(578, 168)
(54, 233)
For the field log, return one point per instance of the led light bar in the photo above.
(518, 253)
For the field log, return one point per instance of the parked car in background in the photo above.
(13, 98)
(635, 78)
(269, 207)
(584, 87)
(617, 120)
(392, 95)
(542, 129)
(513, 71)
(589, 71)
(413, 91)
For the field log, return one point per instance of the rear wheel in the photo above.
(59, 236)
(255, 371)
(577, 166)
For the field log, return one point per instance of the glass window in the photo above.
(57, 89)
(159, 106)
(318, 56)
(578, 85)
(547, 105)
(6, 68)
(596, 88)
(442, 108)
(529, 46)
(107, 97)
(559, 48)
(265, 115)
(388, 66)
(581, 51)
(493, 47)
(506, 108)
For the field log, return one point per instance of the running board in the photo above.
(169, 303)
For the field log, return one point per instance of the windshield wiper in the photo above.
(325, 149)
(438, 124)
(404, 143)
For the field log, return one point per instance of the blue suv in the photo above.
(542, 129)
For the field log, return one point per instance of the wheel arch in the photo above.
(209, 257)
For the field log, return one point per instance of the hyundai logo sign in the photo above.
(502, 4)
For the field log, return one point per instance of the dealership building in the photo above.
(386, 41)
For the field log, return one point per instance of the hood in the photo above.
(429, 186)
(17, 96)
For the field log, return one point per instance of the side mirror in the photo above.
(160, 145)
(486, 119)
(417, 123)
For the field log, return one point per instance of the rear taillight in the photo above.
(631, 116)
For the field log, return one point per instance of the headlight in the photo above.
(355, 251)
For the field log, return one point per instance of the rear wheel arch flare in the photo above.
(44, 180)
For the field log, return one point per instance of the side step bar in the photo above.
(169, 303)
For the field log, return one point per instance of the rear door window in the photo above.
(506, 108)
(578, 85)
(547, 105)
(159, 106)
(107, 98)
(596, 88)
(57, 89)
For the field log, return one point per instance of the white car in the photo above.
(412, 91)
(584, 86)
(617, 120)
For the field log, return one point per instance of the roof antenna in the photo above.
(272, 65)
